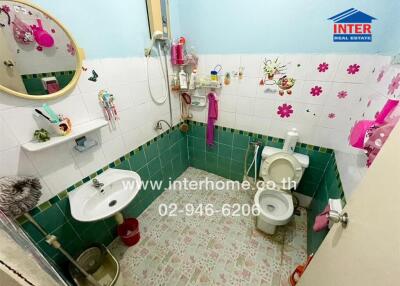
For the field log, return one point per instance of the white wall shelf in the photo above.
(78, 131)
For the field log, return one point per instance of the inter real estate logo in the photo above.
(352, 26)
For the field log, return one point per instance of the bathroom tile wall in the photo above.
(226, 157)
(352, 167)
(329, 188)
(162, 159)
(321, 180)
(61, 166)
(324, 119)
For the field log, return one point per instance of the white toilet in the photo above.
(274, 199)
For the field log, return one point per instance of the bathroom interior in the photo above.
(182, 142)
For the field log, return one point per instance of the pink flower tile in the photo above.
(285, 110)
(323, 67)
(394, 85)
(353, 69)
(342, 94)
(316, 90)
(380, 76)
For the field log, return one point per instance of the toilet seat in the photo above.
(275, 208)
(281, 166)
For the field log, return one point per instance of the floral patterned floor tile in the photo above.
(210, 250)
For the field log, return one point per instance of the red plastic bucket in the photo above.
(129, 231)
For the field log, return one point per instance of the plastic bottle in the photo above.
(192, 82)
(183, 79)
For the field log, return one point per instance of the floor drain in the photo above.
(112, 203)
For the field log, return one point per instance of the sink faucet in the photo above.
(97, 184)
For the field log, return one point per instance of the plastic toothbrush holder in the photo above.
(63, 127)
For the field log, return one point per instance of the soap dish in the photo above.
(83, 144)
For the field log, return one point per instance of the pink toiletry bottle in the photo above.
(180, 54)
(174, 53)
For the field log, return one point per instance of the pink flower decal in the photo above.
(342, 94)
(6, 8)
(353, 69)
(39, 48)
(394, 84)
(331, 115)
(285, 110)
(71, 49)
(380, 76)
(323, 67)
(316, 91)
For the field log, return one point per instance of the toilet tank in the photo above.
(304, 160)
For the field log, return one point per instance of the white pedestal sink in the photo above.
(114, 191)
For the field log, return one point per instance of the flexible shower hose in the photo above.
(163, 99)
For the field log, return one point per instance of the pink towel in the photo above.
(53, 87)
(212, 117)
(321, 220)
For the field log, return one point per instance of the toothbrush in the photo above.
(42, 114)
(54, 118)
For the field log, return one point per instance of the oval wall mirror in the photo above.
(38, 57)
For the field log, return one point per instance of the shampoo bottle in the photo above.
(192, 82)
(183, 81)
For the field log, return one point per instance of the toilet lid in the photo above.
(282, 166)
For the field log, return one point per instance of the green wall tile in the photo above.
(238, 154)
(124, 166)
(237, 167)
(241, 141)
(225, 137)
(151, 151)
(225, 151)
(212, 149)
(138, 160)
(154, 166)
(199, 144)
(51, 218)
(198, 131)
(144, 173)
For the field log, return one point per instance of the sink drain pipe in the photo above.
(53, 241)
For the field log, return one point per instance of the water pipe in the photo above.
(53, 241)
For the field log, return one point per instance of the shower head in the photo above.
(157, 36)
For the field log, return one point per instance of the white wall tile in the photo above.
(365, 63)
(114, 149)
(352, 168)
(8, 139)
(322, 67)
(245, 105)
(226, 119)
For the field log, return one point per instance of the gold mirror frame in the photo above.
(79, 61)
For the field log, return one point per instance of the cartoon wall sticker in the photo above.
(227, 79)
(275, 75)
(94, 76)
(285, 84)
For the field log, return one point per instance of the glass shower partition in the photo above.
(22, 260)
